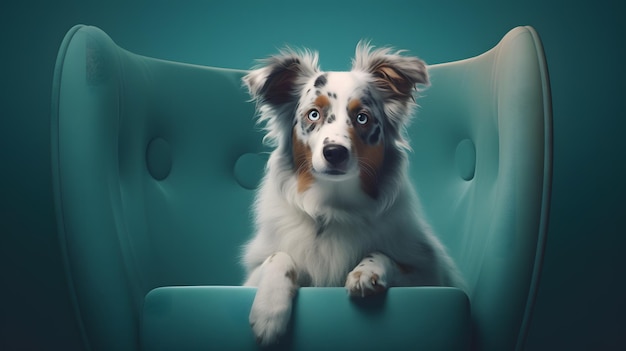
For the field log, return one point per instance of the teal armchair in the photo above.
(154, 168)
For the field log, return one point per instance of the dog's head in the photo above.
(338, 126)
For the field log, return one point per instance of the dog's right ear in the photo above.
(276, 80)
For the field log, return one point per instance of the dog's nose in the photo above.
(335, 154)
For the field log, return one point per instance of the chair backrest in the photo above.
(155, 165)
(482, 163)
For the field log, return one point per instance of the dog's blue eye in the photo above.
(314, 115)
(362, 118)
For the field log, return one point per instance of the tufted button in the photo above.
(465, 158)
(249, 170)
(159, 158)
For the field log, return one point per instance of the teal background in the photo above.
(581, 303)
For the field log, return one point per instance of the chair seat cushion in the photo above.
(216, 317)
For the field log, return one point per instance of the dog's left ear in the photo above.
(395, 76)
(275, 82)
(275, 86)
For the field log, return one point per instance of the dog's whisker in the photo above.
(368, 168)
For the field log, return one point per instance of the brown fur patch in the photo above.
(354, 106)
(370, 161)
(302, 163)
(389, 79)
(291, 274)
(322, 102)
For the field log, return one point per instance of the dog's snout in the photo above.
(335, 154)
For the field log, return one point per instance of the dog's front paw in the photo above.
(269, 319)
(271, 309)
(368, 278)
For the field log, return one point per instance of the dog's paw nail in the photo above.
(365, 283)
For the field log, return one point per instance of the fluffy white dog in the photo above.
(336, 207)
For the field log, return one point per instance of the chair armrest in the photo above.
(216, 317)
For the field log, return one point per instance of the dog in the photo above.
(336, 206)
